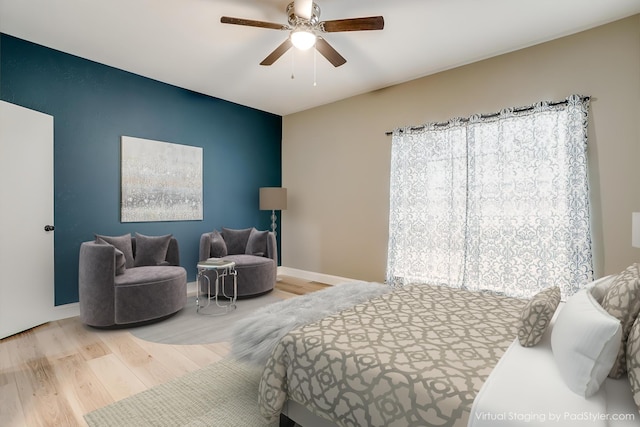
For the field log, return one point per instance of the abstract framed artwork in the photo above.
(160, 181)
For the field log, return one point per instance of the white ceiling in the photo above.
(183, 43)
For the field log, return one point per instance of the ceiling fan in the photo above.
(306, 30)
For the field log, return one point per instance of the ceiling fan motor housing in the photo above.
(296, 21)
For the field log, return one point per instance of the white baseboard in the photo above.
(313, 276)
(191, 288)
(64, 311)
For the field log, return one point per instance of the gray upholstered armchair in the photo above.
(254, 252)
(126, 280)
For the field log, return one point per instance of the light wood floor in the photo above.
(54, 374)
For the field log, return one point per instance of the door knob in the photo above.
(48, 228)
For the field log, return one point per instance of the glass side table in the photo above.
(222, 269)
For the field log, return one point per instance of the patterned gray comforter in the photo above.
(414, 357)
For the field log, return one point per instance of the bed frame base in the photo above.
(286, 421)
(294, 414)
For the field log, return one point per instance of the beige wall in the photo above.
(336, 157)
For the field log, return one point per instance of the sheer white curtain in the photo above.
(498, 202)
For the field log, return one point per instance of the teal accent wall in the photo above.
(93, 106)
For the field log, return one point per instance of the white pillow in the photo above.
(585, 341)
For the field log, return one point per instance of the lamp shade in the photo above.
(273, 198)
(635, 229)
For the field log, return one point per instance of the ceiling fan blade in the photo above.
(252, 23)
(302, 8)
(280, 50)
(329, 52)
(353, 24)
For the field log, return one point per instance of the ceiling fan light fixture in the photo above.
(303, 39)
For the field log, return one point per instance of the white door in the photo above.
(26, 198)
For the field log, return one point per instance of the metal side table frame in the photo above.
(222, 269)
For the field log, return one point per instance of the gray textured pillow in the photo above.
(257, 243)
(123, 243)
(236, 240)
(633, 360)
(151, 250)
(622, 300)
(121, 262)
(218, 246)
(536, 316)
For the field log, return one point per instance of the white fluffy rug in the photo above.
(255, 336)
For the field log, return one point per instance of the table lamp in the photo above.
(273, 199)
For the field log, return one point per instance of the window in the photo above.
(497, 202)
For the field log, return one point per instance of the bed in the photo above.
(416, 356)
(506, 400)
(428, 356)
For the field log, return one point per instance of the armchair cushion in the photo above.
(121, 262)
(257, 243)
(236, 240)
(218, 245)
(122, 243)
(151, 250)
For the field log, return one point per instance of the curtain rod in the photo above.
(488, 116)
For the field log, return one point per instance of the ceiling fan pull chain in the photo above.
(293, 63)
(314, 67)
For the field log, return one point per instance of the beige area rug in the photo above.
(223, 394)
(188, 327)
